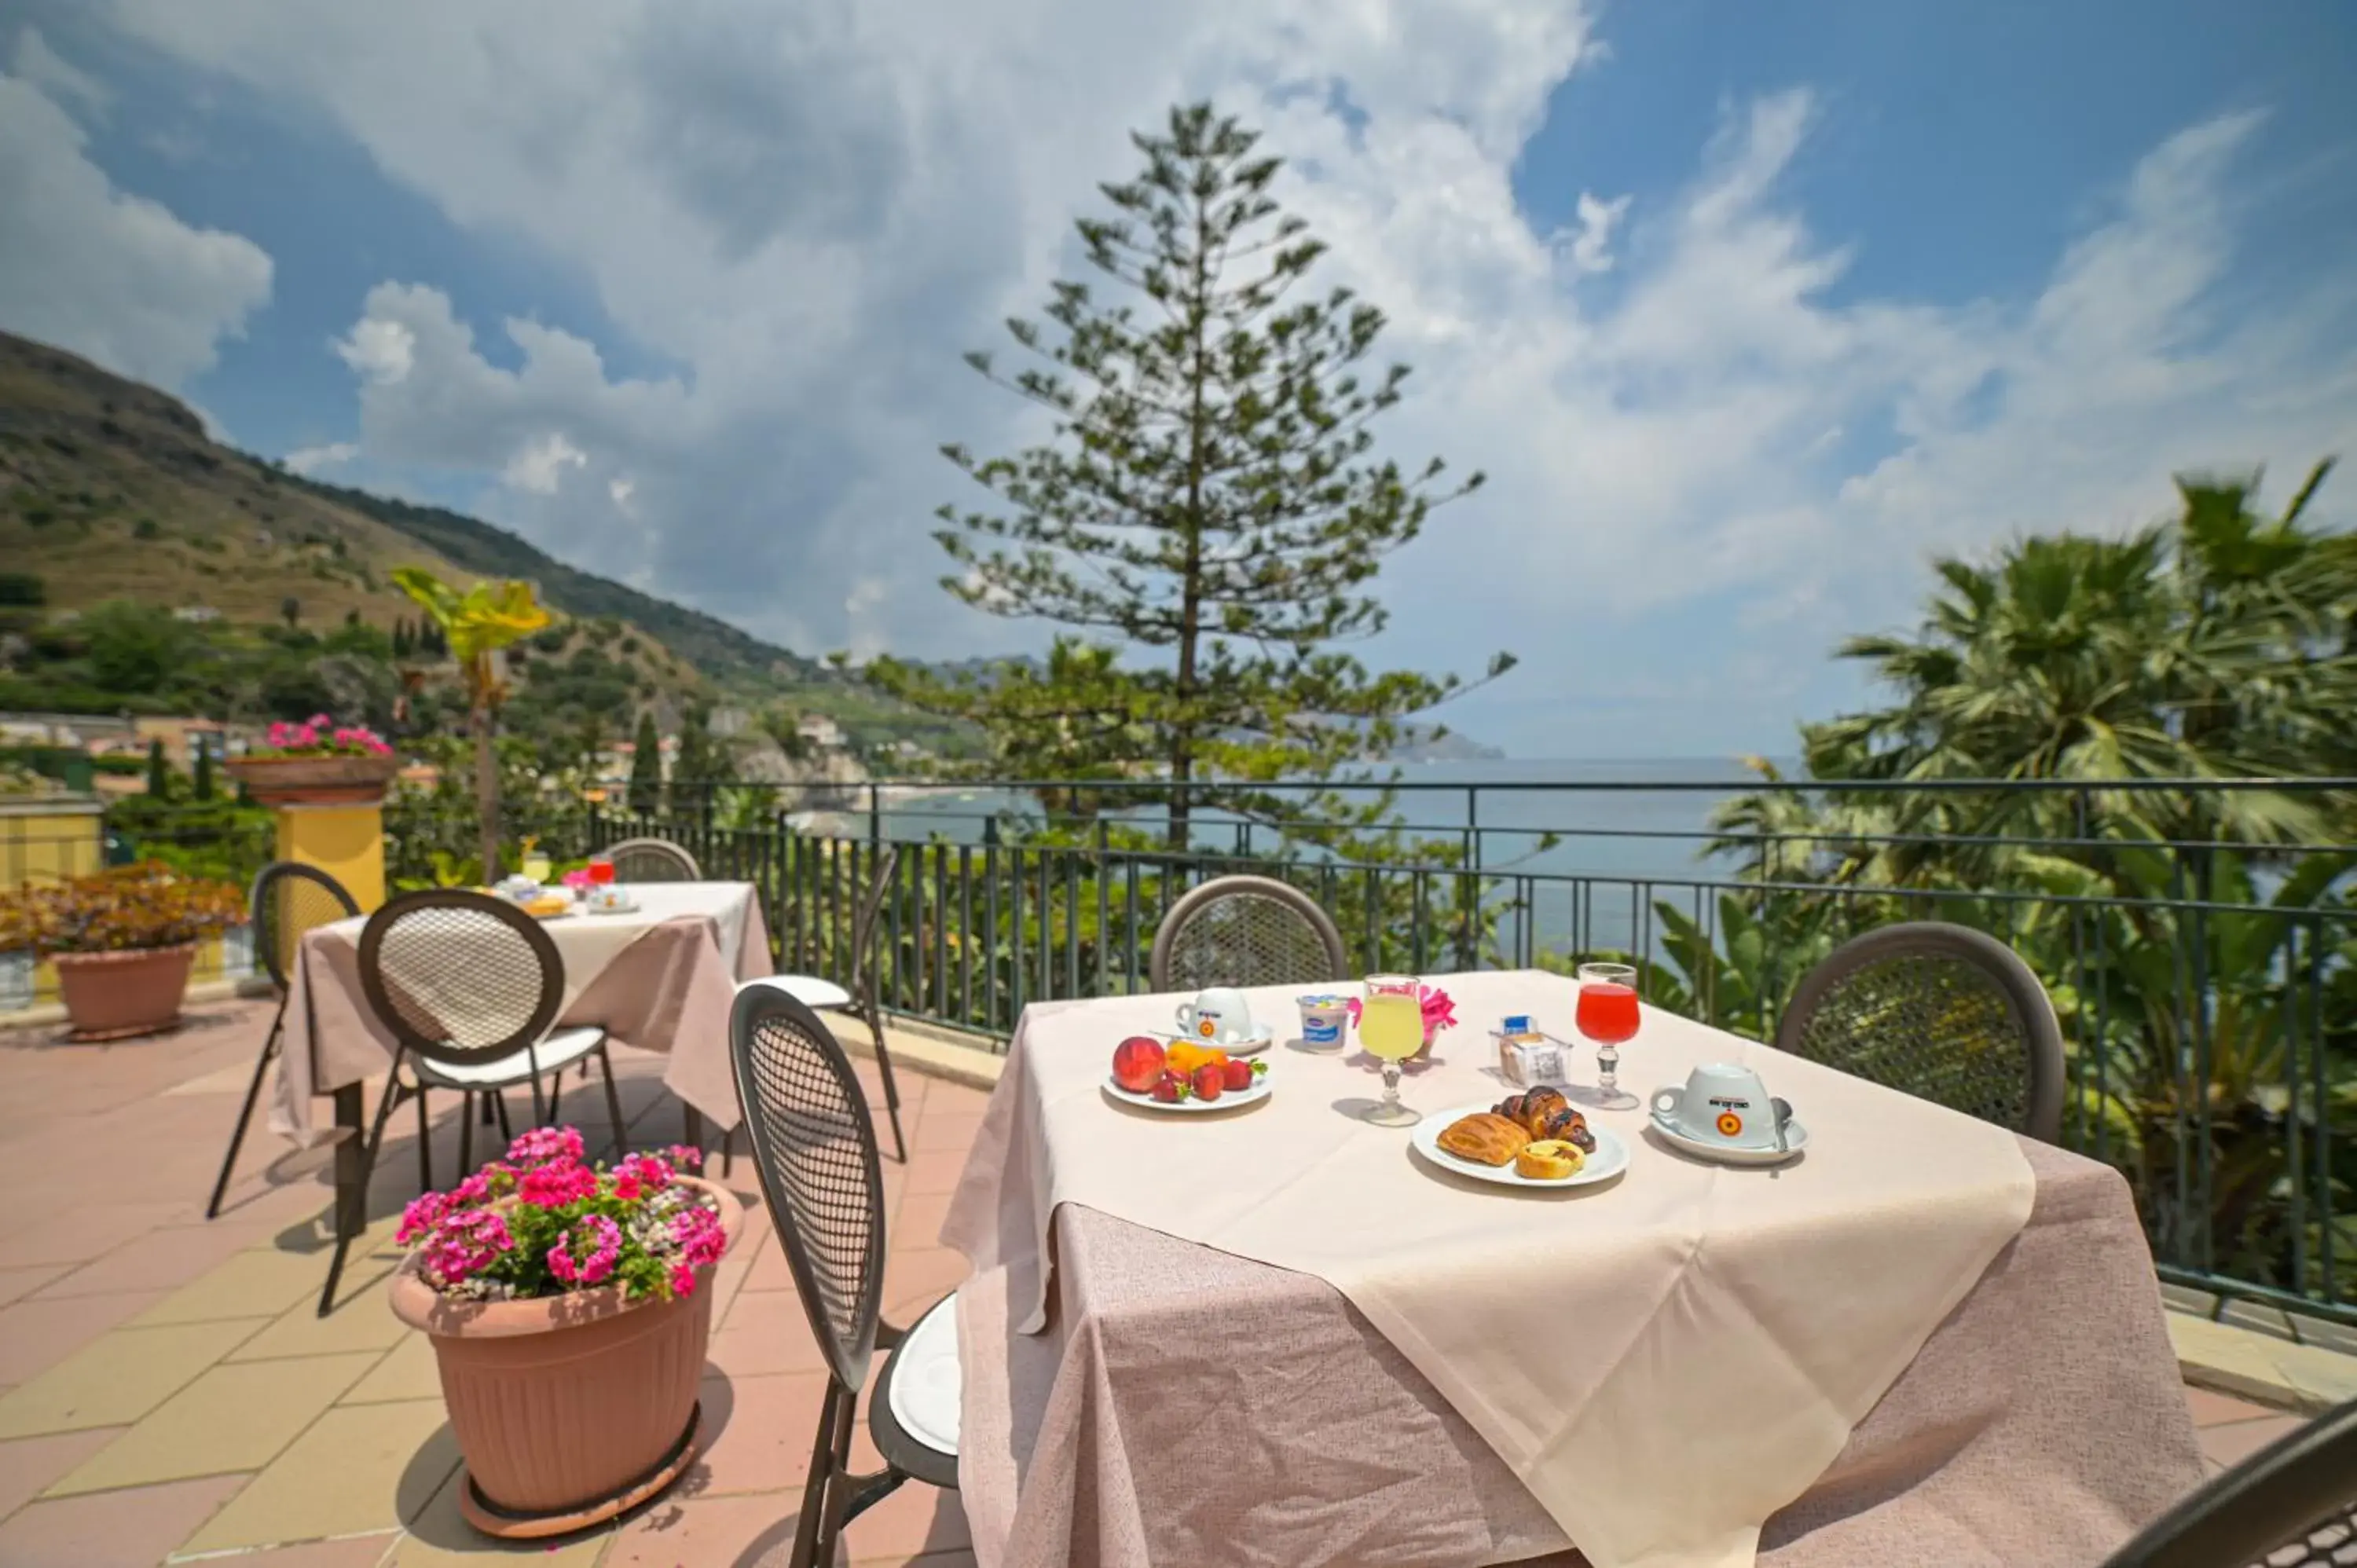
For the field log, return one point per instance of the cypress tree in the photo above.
(159, 772)
(645, 792)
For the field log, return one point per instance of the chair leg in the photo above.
(728, 1152)
(838, 1492)
(556, 1093)
(467, 1110)
(815, 1489)
(499, 1103)
(245, 1112)
(891, 1088)
(613, 1103)
(424, 1145)
(368, 1172)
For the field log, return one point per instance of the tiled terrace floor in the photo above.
(167, 1393)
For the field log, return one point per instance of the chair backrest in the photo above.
(460, 977)
(1246, 930)
(288, 899)
(815, 1146)
(652, 860)
(2291, 1504)
(1943, 1013)
(863, 921)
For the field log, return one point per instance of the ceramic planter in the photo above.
(314, 780)
(116, 996)
(567, 1409)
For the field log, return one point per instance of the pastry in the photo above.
(1485, 1138)
(1549, 1159)
(552, 903)
(1533, 1110)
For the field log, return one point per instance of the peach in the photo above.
(1137, 1064)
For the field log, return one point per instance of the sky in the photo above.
(1747, 310)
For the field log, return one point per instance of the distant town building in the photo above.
(198, 614)
(818, 730)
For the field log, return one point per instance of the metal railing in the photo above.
(2207, 986)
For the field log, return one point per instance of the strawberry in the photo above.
(1166, 1089)
(1238, 1076)
(1210, 1079)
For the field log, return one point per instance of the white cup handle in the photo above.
(1668, 1101)
(1186, 1017)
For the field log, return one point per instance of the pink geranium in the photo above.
(320, 735)
(545, 1222)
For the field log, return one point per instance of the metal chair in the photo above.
(814, 1145)
(1246, 930)
(652, 860)
(862, 1000)
(469, 986)
(2291, 1504)
(1942, 1012)
(289, 898)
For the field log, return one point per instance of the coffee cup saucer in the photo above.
(1796, 1139)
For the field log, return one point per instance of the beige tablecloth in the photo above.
(1663, 1362)
(661, 977)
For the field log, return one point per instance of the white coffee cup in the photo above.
(1218, 1017)
(1721, 1104)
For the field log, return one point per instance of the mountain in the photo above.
(110, 489)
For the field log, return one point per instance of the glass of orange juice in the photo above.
(1391, 1028)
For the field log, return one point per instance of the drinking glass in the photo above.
(1391, 1028)
(1607, 1015)
(535, 866)
(601, 872)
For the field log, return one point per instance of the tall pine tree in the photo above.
(697, 768)
(1211, 501)
(645, 792)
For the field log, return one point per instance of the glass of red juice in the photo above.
(601, 872)
(1609, 1015)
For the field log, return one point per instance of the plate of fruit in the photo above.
(1185, 1077)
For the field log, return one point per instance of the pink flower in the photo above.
(557, 1183)
(699, 1236)
(421, 1217)
(640, 1175)
(577, 880)
(683, 1280)
(686, 1156)
(467, 1244)
(606, 1250)
(543, 1144)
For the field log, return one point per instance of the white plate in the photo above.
(1228, 1101)
(1246, 1047)
(630, 908)
(1796, 1138)
(1611, 1159)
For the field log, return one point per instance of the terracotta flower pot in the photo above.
(116, 996)
(314, 780)
(567, 1408)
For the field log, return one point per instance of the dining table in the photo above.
(659, 975)
(1277, 1333)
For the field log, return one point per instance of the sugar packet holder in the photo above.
(1529, 1059)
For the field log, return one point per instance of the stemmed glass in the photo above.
(1609, 1015)
(1391, 1028)
(601, 877)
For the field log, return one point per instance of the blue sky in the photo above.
(1747, 309)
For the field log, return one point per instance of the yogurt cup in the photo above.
(1323, 1021)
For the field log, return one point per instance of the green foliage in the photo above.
(124, 910)
(201, 789)
(1211, 503)
(23, 589)
(699, 766)
(159, 772)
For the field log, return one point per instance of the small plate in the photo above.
(1228, 1101)
(1611, 1159)
(1796, 1138)
(630, 908)
(1247, 1047)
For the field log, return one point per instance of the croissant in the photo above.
(1567, 1125)
(1485, 1138)
(1540, 1106)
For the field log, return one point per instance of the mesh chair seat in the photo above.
(1246, 930)
(560, 1049)
(1941, 1012)
(817, 995)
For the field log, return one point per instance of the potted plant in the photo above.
(317, 763)
(122, 942)
(570, 1312)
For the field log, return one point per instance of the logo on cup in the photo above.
(1729, 1124)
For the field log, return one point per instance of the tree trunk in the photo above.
(486, 792)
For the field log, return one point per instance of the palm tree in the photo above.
(478, 624)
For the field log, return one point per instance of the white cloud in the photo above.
(96, 270)
(57, 79)
(318, 460)
(811, 208)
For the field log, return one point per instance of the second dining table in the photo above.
(1275, 1334)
